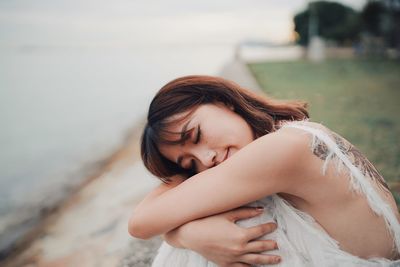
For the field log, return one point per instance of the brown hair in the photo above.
(186, 94)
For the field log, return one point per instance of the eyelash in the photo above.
(196, 141)
(193, 166)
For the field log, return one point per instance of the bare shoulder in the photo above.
(291, 146)
(283, 141)
(287, 150)
(295, 140)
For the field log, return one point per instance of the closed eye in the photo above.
(193, 167)
(198, 135)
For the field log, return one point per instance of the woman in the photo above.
(219, 147)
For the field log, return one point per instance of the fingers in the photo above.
(244, 213)
(254, 259)
(260, 246)
(260, 230)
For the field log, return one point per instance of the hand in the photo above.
(220, 240)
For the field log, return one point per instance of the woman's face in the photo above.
(216, 132)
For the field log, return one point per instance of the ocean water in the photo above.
(64, 108)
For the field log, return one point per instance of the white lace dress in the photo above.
(300, 241)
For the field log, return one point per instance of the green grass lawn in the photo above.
(359, 99)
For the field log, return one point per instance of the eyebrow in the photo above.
(183, 133)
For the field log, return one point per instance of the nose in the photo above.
(207, 157)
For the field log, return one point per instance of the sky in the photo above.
(117, 23)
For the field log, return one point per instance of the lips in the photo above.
(226, 155)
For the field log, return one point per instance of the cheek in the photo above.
(170, 152)
(238, 134)
(242, 131)
(246, 138)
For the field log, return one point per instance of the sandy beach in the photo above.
(90, 227)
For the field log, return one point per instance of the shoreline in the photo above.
(35, 226)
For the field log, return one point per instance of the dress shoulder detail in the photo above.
(331, 147)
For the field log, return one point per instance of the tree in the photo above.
(374, 16)
(334, 21)
(382, 19)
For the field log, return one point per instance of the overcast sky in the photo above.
(147, 22)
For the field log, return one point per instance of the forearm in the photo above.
(161, 212)
(194, 199)
(145, 203)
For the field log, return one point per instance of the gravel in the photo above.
(141, 253)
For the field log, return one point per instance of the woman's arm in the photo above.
(218, 238)
(160, 189)
(273, 163)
